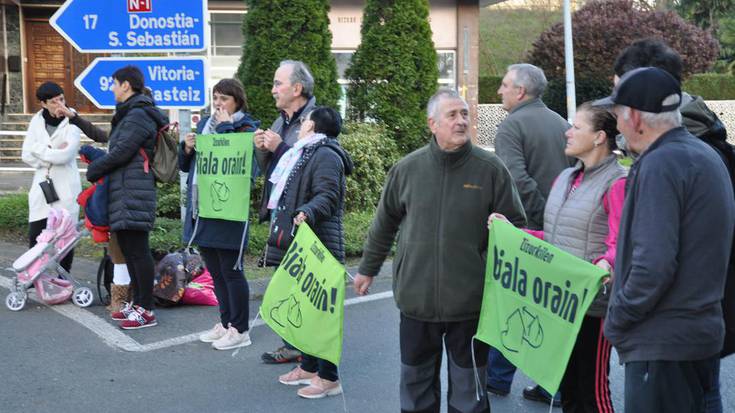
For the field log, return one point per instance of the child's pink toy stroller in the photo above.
(39, 265)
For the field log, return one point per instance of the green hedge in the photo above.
(373, 152)
(168, 204)
(555, 96)
(356, 226)
(14, 212)
(166, 233)
(711, 86)
(488, 89)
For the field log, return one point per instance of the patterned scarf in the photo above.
(285, 165)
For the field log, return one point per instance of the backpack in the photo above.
(165, 163)
(173, 273)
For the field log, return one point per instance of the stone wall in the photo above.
(489, 117)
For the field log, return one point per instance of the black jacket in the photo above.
(701, 122)
(316, 186)
(132, 189)
(672, 253)
(213, 233)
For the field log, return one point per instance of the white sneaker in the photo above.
(216, 333)
(233, 339)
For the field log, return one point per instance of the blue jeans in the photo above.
(500, 373)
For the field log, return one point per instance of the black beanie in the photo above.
(48, 90)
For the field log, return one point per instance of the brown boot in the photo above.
(118, 296)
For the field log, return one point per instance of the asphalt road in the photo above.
(66, 359)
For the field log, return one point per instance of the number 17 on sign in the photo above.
(90, 21)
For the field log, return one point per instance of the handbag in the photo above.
(47, 187)
(282, 231)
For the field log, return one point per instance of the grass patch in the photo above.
(507, 34)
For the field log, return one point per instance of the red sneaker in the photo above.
(124, 312)
(139, 318)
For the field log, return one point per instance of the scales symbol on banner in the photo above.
(220, 194)
(522, 326)
(287, 310)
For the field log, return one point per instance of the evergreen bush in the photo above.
(488, 89)
(586, 89)
(373, 153)
(711, 86)
(277, 30)
(168, 203)
(394, 70)
(14, 212)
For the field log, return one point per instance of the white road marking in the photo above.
(110, 334)
(115, 338)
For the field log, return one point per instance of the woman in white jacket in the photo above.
(50, 147)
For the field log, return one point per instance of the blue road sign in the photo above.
(176, 82)
(117, 26)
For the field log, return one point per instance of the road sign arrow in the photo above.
(117, 26)
(176, 82)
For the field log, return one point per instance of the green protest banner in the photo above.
(224, 165)
(304, 302)
(534, 301)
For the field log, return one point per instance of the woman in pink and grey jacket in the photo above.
(582, 217)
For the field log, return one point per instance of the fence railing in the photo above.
(11, 146)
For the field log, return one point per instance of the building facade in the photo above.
(33, 52)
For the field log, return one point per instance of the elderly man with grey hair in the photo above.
(531, 142)
(293, 91)
(665, 317)
(439, 197)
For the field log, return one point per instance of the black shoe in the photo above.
(535, 393)
(496, 391)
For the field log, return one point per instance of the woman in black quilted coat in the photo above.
(132, 188)
(309, 186)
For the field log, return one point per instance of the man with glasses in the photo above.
(531, 142)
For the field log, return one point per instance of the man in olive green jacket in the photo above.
(440, 197)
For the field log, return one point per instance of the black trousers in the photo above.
(135, 247)
(324, 368)
(669, 386)
(230, 287)
(585, 387)
(34, 230)
(422, 346)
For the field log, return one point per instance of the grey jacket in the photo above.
(530, 141)
(577, 222)
(672, 254)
